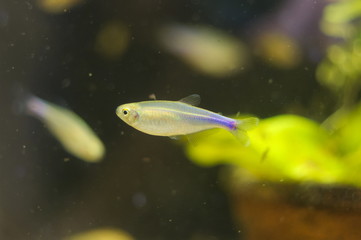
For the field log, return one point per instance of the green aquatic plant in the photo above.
(340, 69)
(340, 18)
(288, 148)
(291, 148)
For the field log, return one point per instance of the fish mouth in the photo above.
(118, 111)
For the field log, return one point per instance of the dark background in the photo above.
(51, 55)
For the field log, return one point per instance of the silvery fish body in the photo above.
(175, 118)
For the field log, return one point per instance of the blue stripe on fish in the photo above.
(229, 123)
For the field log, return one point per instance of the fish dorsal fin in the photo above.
(193, 100)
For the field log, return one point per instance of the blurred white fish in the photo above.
(206, 49)
(72, 132)
(177, 118)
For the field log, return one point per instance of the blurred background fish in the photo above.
(208, 50)
(101, 234)
(68, 128)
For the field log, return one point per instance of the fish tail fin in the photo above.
(25, 102)
(21, 97)
(247, 123)
(243, 125)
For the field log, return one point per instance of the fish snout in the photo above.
(127, 114)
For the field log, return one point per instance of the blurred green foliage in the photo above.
(291, 148)
(340, 70)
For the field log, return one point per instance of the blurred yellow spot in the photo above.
(102, 234)
(207, 50)
(112, 40)
(278, 49)
(57, 6)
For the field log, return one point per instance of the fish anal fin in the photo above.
(193, 100)
(195, 138)
(241, 136)
(191, 138)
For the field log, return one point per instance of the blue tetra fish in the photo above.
(177, 118)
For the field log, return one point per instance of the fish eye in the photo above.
(125, 111)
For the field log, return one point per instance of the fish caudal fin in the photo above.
(247, 123)
(26, 103)
(243, 125)
(20, 95)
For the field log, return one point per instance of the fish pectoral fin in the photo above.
(193, 100)
(241, 136)
(175, 137)
(192, 139)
